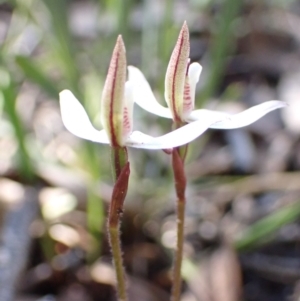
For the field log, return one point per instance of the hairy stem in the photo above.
(180, 185)
(176, 288)
(114, 235)
(121, 172)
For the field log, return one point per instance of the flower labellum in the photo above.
(180, 86)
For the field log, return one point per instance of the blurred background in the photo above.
(243, 210)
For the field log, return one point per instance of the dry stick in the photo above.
(114, 219)
(15, 242)
(180, 185)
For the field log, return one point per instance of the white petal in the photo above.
(143, 95)
(176, 138)
(203, 113)
(128, 110)
(241, 119)
(128, 98)
(194, 75)
(192, 79)
(76, 120)
(194, 72)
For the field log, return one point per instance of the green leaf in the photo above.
(259, 231)
(35, 74)
(9, 93)
(62, 43)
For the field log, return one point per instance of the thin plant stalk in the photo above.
(114, 235)
(121, 171)
(178, 156)
(9, 94)
(176, 288)
(222, 45)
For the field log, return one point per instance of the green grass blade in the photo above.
(149, 37)
(222, 45)
(267, 226)
(35, 74)
(95, 221)
(62, 45)
(9, 94)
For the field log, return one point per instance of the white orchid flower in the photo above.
(180, 85)
(117, 111)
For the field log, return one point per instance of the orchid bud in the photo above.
(112, 102)
(176, 74)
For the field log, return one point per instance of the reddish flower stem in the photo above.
(121, 170)
(178, 156)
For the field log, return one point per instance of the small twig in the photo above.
(15, 241)
(224, 193)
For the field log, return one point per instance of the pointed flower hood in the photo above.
(115, 106)
(175, 81)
